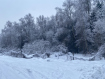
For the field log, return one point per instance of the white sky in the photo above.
(13, 10)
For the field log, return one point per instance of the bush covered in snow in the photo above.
(42, 47)
(18, 54)
(38, 46)
(12, 52)
(59, 48)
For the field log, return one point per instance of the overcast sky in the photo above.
(13, 10)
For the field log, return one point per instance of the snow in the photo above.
(50, 68)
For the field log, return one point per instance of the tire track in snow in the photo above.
(22, 71)
(12, 69)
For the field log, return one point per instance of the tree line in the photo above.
(78, 27)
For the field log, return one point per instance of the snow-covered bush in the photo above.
(17, 54)
(12, 52)
(62, 48)
(59, 48)
(37, 47)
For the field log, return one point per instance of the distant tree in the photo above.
(98, 24)
(66, 22)
(83, 32)
(41, 23)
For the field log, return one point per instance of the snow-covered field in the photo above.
(37, 68)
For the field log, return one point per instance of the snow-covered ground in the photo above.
(37, 68)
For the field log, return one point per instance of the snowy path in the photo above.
(18, 68)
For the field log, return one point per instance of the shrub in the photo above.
(38, 47)
(59, 48)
